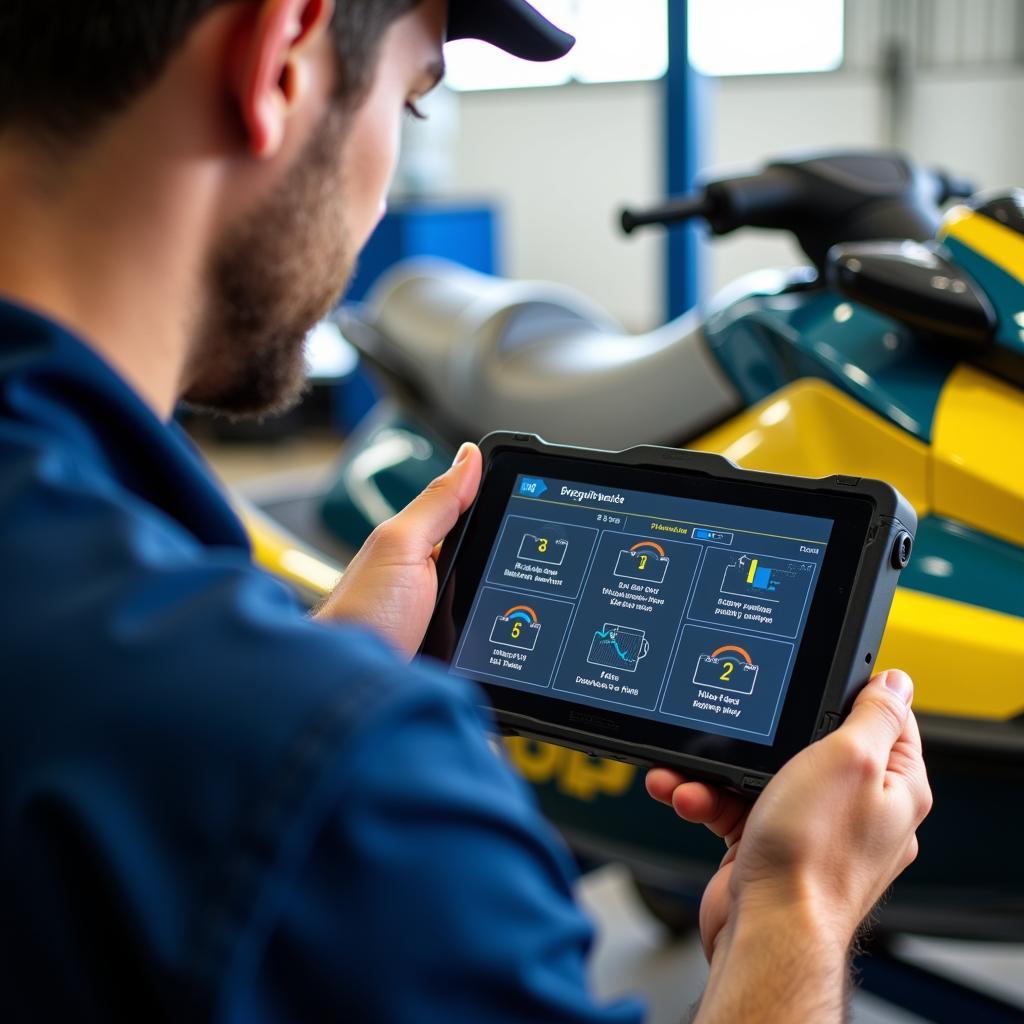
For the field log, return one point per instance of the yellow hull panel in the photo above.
(812, 429)
(284, 555)
(966, 661)
(978, 454)
(994, 241)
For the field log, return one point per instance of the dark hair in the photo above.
(64, 68)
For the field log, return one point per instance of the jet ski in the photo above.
(896, 351)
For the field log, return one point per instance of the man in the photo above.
(212, 807)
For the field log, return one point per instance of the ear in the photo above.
(267, 66)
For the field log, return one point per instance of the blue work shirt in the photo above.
(211, 807)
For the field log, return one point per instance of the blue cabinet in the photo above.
(467, 234)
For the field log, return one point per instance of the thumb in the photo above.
(429, 517)
(880, 712)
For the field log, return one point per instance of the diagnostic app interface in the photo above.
(682, 611)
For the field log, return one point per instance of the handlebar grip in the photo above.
(674, 212)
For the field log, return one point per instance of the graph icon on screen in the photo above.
(618, 647)
(550, 550)
(517, 627)
(644, 561)
(767, 579)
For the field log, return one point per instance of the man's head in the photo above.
(292, 107)
(284, 262)
(214, 166)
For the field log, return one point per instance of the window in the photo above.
(618, 41)
(756, 37)
(627, 41)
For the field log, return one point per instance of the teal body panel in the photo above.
(958, 563)
(389, 459)
(763, 342)
(1004, 291)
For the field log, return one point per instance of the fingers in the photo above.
(722, 812)
(879, 716)
(882, 735)
(911, 735)
(421, 526)
(907, 767)
(698, 802)
(661, 782)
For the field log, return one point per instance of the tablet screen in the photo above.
(663, 607)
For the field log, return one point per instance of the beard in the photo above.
(272, 278)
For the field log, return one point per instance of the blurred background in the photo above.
(557, 149)
(521, 169)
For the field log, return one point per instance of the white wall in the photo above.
(561, 161)
(972, 123)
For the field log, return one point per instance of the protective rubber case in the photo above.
(885, 553)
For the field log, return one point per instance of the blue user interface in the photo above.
(678, 610)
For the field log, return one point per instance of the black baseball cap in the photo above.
(512, 25)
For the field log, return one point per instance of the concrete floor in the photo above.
(634, 955)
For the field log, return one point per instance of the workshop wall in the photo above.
(561, 162)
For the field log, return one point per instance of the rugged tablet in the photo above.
(666, 607)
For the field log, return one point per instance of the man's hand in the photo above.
(818, 849)
(391, 584)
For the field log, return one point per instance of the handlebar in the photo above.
(675, 211)
(823, 200)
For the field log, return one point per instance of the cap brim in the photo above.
(511, 25)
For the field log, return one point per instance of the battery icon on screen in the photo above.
(715, 536)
